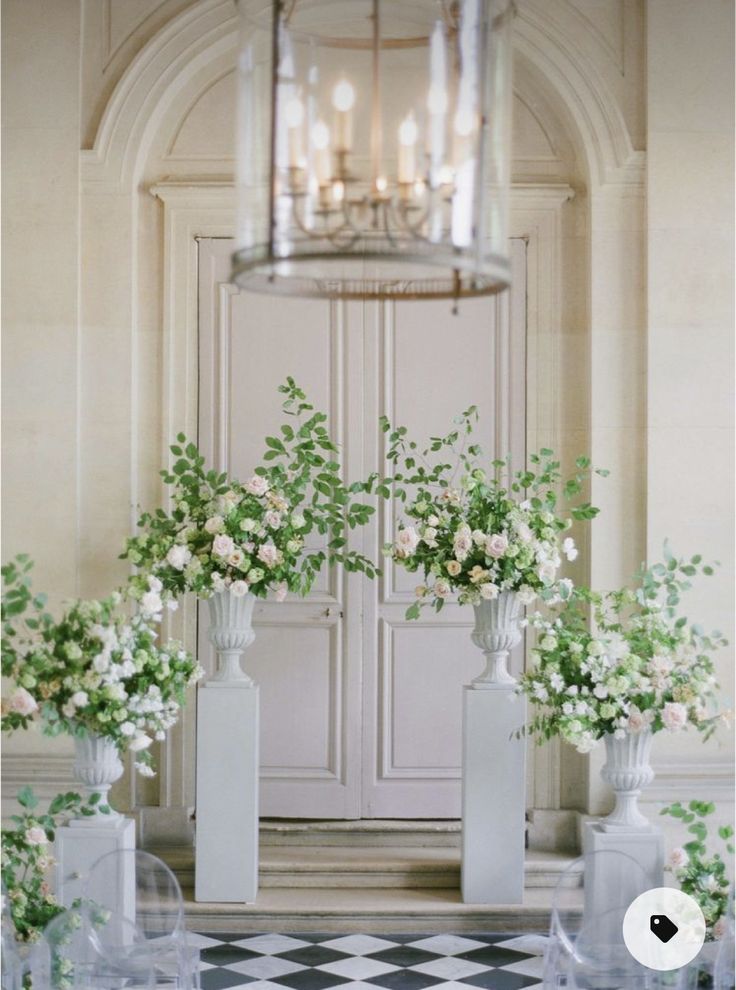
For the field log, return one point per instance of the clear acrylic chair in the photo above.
(88, 948)
(11, 961)
(724, 977)
(155, 904)
(586, 950)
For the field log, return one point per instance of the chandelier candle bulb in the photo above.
(343, 99)
(408, 133)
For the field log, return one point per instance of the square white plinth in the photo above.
(494, 796)
(226, 861)
(77, 849)
(603, 877)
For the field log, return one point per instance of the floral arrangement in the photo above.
(250, 537)
(702, 876)
(26, 860)
(641, 667)
(93, 671)
(479, 533)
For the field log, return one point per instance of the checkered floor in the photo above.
(370, 962)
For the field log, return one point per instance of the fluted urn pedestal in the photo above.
(626, 829)
(494, 779)
(78, 845)
(627, 771)
(227, 761)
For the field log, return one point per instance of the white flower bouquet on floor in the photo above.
(642, 666)
(250, 537)
(476, 532)
(95, 671)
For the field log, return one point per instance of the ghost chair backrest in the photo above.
(145, 885)
(89, 948)
(724, 971)
(10, 959)
(588, 908)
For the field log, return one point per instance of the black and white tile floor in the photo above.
(370, 962)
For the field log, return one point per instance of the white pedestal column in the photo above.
(494, 795)
(645, 846)
(227, 792)
(79, 845)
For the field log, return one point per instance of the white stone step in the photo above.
(370, 910)
(388, 867)
(362, 832)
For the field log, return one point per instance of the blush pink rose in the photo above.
(223, 545)
(256, 485)
(674, 716)
(268, 554)
(496, 545)
(22, 703)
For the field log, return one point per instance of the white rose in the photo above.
(139, 741)
(569, 549)
(546, 572)
(268, 555)
(178, 557)
(127, 729)
(442, 588)
(272, 519)
(523, 532)
(298, 521)
(22, 703)
(239, 589)
(433, 521)
(678, 858)
(236, 558)
(489, 591)
(463, 542)
(430, 536)
(151, 603)
(526, 595)
(674, 716)
(256, 485)
(154, 583)
(223, 545)
(248, 525)
(548, 642)
(406, 542)
(454, 567)
(35, 836)
(214, 525)
(80, 699)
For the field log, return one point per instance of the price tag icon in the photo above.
(661, 926)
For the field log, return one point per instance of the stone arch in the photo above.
(192, 48)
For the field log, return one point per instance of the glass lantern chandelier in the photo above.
(374, 148)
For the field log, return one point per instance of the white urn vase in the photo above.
(97, 765)
(627, 771)
(497, 632)
(231, 632)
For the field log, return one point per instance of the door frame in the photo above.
(207, 209)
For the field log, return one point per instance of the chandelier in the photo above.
(374, 148)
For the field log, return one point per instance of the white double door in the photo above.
(360, 708)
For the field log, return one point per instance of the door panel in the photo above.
(429, 366)
(306, 655)
(361, 709)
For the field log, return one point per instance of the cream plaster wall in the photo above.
(690, 299)
(40, 241)
(84, 298)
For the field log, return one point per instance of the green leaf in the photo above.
(26, 798)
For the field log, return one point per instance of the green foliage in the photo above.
(94, 670)
(701, 874)
(480, 529)
(27, 861)
(253, 536)
(641, 666)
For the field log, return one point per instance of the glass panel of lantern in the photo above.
(374, 147)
